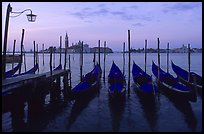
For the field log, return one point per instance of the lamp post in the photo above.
(31, 18)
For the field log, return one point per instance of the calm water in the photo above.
(100, 113)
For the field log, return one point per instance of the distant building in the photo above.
(66, 41)
(196, 50)
(86, 48)
(95, 49)
(184, 49)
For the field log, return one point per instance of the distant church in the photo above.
(184, 49)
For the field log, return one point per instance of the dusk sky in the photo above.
(175, 22)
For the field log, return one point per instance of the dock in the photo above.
(33, 88)
(56, 76)
(10, 84)
(13, 58)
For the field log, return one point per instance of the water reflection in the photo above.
(196, 90)
(39, 120)
(15, 103)
(149, 105)
(117, 106)
(56, 114)
(80, 104)
(30, 114)
(199, 92)
(183, 105)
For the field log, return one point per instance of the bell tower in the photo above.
(66, 41)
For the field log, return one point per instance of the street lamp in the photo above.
(31, 18)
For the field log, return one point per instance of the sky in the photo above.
(175, 22)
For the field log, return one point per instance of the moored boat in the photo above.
(116, 79)
(11, 72)
(88, 83)
(58, 67)
(31, 71)
(142, 80)
(169, 84)
(183, 76)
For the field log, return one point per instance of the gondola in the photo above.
(11, 72)
(31, 71)
(116, 80)
(88, 83)
(58, 68)
(172, 84)
(183, 76)
(142, 80)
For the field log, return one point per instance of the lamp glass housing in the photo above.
(31, 17)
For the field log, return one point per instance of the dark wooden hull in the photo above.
(31, 71)
(183, 76)
(86, 93)
(138, 90)
(171, 86)
(116, 80)
(11, 72)
(192, 86)
(191, 95)
(117, 94)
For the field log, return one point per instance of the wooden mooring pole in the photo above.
(43, 54)
(51, 60)
(66, 92)
(123, 58)
(65, 80)
(24, 58)
(21, 49)
(145, 50)
(54, 48)
(69, 65)
(94, 58)
(70, 83)
(60, 50)
(158, 61)
(9, 9)
(128, 62)
(37, 58)
(34, 53)
(14, 45)
(73, 53)
(167, 58)
(66, 46)
(104, 60)
(81, 61)
(65, 57)
(189, 62)
(99, 53)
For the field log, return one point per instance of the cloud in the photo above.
(123, 15)
(88, 12)
(138, 24)
(185, 6)
(117, 13)
(101, 11)
(104, 11)
(80, 15)
(102, 5)
(182, 7)
(128, 17)
(133, 7)
(87, 9)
